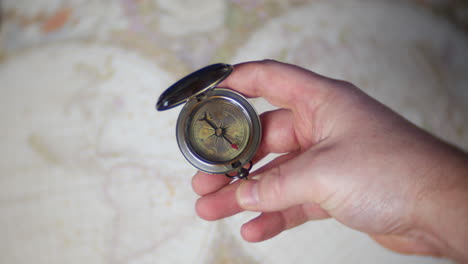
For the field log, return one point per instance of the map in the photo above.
(91, 172)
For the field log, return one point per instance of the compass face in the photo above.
(218, 130)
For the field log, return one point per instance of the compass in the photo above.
(218, 131)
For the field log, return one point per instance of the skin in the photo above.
(345, 156)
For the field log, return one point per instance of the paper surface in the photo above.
(91, 173)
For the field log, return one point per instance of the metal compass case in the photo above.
(218, 130)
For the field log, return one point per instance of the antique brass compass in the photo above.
(218, 130)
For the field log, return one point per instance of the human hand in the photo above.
(345, 156)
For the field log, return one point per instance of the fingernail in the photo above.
(256, 177)
(247, 194)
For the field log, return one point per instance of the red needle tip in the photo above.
(234, 146)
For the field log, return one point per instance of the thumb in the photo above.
(276, 189)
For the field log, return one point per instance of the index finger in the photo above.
(283, 85)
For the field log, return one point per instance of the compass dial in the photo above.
(218, 130)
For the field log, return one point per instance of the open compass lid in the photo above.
(193, 85)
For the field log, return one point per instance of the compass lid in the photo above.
(192, 85)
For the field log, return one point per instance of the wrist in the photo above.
(441, 210)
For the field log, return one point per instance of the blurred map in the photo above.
(91, 173)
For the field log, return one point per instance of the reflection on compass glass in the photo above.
(218, 130)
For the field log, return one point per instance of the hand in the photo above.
(345, 156)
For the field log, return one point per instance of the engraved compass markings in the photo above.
(218, 131)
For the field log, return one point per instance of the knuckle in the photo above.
(342, 83)
(264, 68)
(268, 62)
(346, 84)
